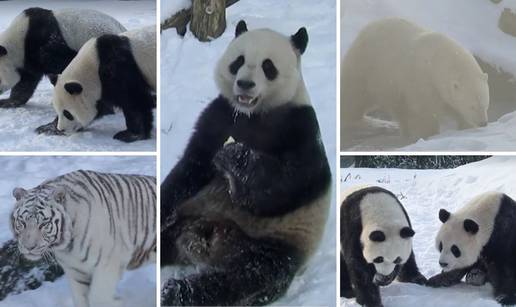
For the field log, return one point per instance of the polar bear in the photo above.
(419, 77)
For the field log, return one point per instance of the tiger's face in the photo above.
(39, 222)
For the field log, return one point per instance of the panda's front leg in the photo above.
(139, 125)
(50, 128)
(254, 178)
(22, 91)
(447, 279)
(366, 292)
(410, 272)
(503, 278)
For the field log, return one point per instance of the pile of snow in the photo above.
(472, 23)
(423, 193)
(187, 87)
(137, 288)
(17, 125)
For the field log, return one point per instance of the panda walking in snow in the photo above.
(42, 42)
(376, 241)
(249, 199)
(479, 242)
(111, 70)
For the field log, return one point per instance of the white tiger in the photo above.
(95, 224)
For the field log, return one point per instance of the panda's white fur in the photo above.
(287, 87)
(482, 210)
(84, 70)
(77, 27)
(13, 40)
(381, 211)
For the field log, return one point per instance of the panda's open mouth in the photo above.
(247, 101)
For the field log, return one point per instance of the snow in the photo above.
(28, 172)
(187, 87)
(423, 193)
(169, 8)
(17, 125)
(474, 24)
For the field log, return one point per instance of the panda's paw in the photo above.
(10, 103)
(129, 137)
(506, 299)
(49, 129)
(476, 277)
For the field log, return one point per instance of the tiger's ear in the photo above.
(18, 193)
(59, 194)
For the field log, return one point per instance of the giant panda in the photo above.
(117, 70)
(479, 242)
(42, 42)
(376, 241)
(248, 201)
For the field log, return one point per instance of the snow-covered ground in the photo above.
(137, 288)
(17, 125)
(187, 87)
(423, 193)
(474, 24)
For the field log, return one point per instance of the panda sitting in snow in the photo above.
(111, 70)
(42, 42)
(479, 242)
(376, 241)
(252, 211)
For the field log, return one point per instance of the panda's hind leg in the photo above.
(410, 272)
(252, 272)
(22, 91)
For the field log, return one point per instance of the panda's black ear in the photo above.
(407, 232)
(73, 88)
(3, 51)
(53, 78)
(377, 236)
(300, 40)
(240, 28)
(470, 226)
(444, 215)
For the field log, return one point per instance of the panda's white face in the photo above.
(458, 241)
(386, 246)
(9, 75)
(260, 69)
(74, 107)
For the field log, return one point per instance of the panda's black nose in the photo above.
(443, 264)
(246, 84)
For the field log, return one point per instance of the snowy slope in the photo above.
(187, 87)
(28, 172)
(473, 23)
(17, 125)
(423, 193)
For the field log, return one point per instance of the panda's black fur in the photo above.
(497, 260)
(356, 275)
(46, 53)
(124, 86)
(275, 167)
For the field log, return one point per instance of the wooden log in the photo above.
(208, 19)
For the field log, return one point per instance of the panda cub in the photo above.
(479, 242)
(376, 241)
(42, 42)
(249, 199)
(113, 70)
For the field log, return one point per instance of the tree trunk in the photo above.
(208, 19)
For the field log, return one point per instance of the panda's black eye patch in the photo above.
(378, 260)
(455, 251)
(377, 236)
(440, 246)
(68, 115)
(270, 71)
(236, 64)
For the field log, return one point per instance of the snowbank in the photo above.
(28, 172)
(423, 193)
(187, 87)
(474, 24)
(17, 125)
